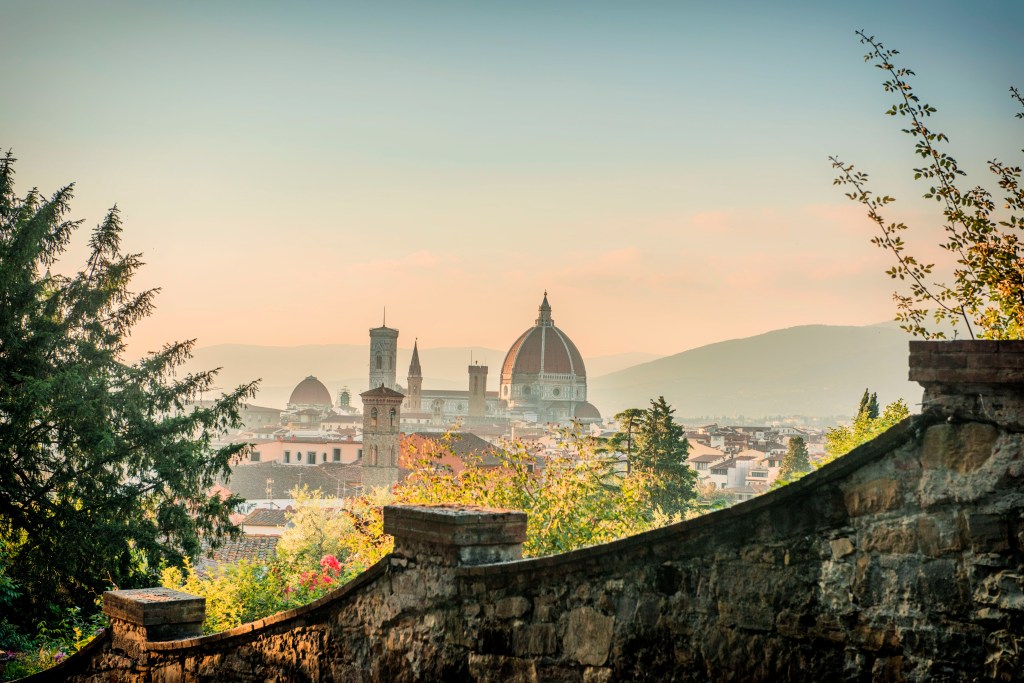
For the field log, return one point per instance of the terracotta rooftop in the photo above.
(334, 479)
(381, 392)
(251, 548)
(266, 517)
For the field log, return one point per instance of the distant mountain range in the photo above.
(339, 365)
(813, 370)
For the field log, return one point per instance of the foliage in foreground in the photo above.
(318, 553)
(575, 498)
(578, 498)
(105, 473)
(981, 234)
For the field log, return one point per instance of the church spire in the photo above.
(414, 364)
(544, 319)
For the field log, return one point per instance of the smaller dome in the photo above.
(310, 392)
(587, 411)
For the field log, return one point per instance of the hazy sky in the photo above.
(287, 169)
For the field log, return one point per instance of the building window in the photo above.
(337, 455)
(380, 362)
(359, 454)
(311, 457)
(373, 455)
(391, 416)
(556, 392)
(323, 457)
(254, 456)
(287, 457)
(373, 418)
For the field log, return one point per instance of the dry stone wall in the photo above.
(903, 560)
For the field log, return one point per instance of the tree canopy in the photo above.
(796, 462)
(841, 440)
(659, 446)
(106, 466)
(980, 232)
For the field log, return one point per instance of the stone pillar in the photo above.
(152, 614)
(455, 534)
(971, 379)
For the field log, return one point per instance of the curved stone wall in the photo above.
(901, 561)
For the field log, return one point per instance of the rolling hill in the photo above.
(814, 370)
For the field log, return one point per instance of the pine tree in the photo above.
(661, 447)
(872, 407)
(796, 461)
(106, 467)
(865, 400)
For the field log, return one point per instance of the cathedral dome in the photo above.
(543, 349)
(310, 392)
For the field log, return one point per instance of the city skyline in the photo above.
(661, 170)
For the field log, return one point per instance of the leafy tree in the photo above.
(796, 462)
(842, 440)
(105, 470)
(981, 234)
(317, 526)
(661, 448)
(574, 499)
(623, 440)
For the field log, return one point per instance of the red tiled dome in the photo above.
(310, 391)
(543, 348)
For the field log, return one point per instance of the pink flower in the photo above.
(330, 562)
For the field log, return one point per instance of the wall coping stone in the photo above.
(154, 606)
(454, 525)
(971, 379)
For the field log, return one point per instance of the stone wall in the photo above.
(901, 561)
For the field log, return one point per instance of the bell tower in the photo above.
(477, 391)
(382, 414)
(415, 381)
(383, 354)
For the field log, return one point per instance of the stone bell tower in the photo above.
(382, 414)
(383, 355)
(477, 392)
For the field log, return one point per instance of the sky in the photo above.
(287, 170)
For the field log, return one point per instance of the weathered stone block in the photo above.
(588, 636)
(534, 639)
(511, 607)
(961, 448)
(841, 547)
(873, 496)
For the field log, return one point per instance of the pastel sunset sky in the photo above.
(289, 168)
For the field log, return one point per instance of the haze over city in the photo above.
(288, 170)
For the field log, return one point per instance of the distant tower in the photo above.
(415, 381)
(383, 353)
(477, 391)
(382, 413)
(344, 399)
